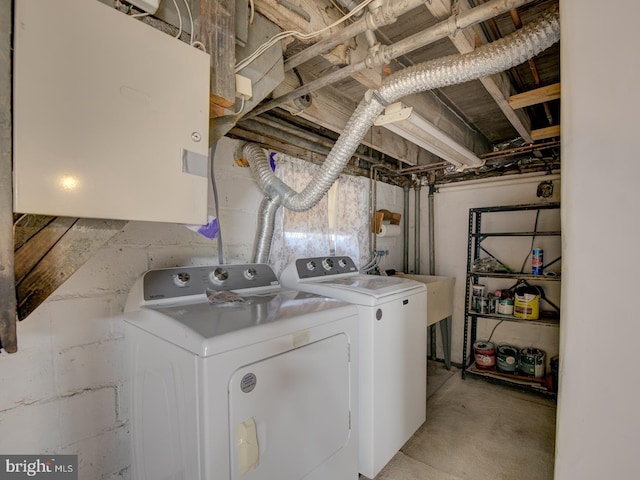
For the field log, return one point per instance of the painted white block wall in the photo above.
(391, 198)
(598, 416)
(66, 390)
(451, 212)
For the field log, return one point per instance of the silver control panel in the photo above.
(322, 266)
(185, 281)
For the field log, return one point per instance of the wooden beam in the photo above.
(498, 86)
(215, 27)
(533, 97)
(547, 132)
(68, 254)
(7, 285)
(319, 17)
(38, 245)
(332, 110)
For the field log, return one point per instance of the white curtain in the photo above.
(337, 225)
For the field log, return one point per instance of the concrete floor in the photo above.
(477, 430)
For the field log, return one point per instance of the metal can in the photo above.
(537, 261)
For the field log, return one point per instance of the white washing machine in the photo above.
(393, 350)
(262, 385)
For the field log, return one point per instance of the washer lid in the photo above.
(206, 329)
(371, 284)
(338, 277)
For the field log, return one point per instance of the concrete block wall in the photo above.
(66, 390)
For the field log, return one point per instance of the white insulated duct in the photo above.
(486, 60)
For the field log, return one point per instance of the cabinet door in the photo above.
(110, 116)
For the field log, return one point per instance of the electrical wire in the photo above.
(241, 107)
(212, 154)
(301, 36)
(175, 4)
(494, 329)
(253, 11)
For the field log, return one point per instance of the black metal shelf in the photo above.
(516, 234)
(550, 321)
(474, 251)
(517, 276)
(537, 384)
(515, 208)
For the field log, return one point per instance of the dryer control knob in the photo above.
(327, 263)
(250, 273)
(219, 275)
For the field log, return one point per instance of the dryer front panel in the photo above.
(289, 413)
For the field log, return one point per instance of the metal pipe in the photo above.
(385, 54)
(432, 245)
(309, 87)
(420, 168)
(291, 134)
(388, 14)
(416, 209)
(373, 199)
(405, 224)
(374, 238)
(448, 27)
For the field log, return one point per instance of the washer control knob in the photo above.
(327, 263)
(219, 275)
(342, 263)
(250, 273)
(181, 279)
(311, 265)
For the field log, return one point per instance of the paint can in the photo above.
(505, 306)
(484, 355)
(537, 261)
(527, 303)
(532, 362)
(477, 291)
(507, 359)
(483, 305)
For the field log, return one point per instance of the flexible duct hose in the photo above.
(264, 230)
(485, 60)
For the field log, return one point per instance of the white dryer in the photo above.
(393, 350)
(261, 385)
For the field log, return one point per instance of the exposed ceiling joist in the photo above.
(330, 109)
(534, 97)
(431, 109)
(498, 86)
(544, 133)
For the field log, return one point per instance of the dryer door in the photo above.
(290, 412)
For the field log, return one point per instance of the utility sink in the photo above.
(439, 295)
